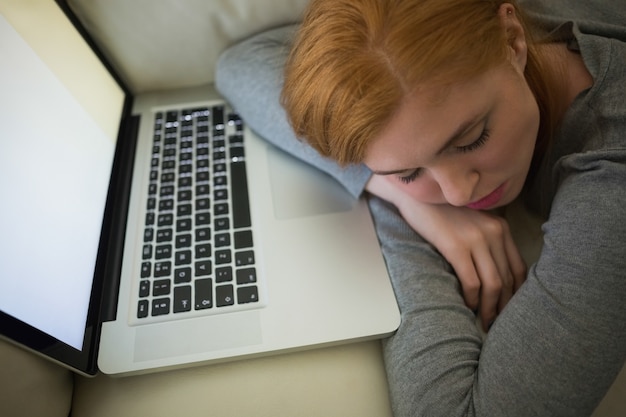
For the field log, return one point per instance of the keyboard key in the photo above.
(162, 269)
(220, 209)
(163, 252)
(183, 210)
(241, 204)
(246, 276)
(182, 299)
(222, 223)
(218, 116)
(160, 306)
(184, 181)
(204, 234)
(182, 275)
(185, 168)
(203, 219)
(203, 268)
(202, 176)
(236, 153)
(142, 309)
(203, 251)
(161, 287)
(182, 257)
(224, 295)
(243, 239)
(167, 177)
(203, 189)
(183, 241)
(248, 294)
(166, 205)
(148, 234)
(223, 256)
(184, 195)
(164, 235)
(144, 288)
(166, 219)
(222, 239)
(220, 181)
(223, 274)
(146, 269)
(203, 204)
(147, 251)
(203, 297)
(183, 225)
(219, 168)
(244, 258)
(220, 194)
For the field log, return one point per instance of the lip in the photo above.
(490, 200)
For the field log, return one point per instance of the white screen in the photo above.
(56, 153)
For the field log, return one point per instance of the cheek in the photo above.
(425, 190)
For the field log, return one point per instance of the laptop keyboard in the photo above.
(198, 250)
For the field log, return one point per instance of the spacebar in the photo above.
(241, 204)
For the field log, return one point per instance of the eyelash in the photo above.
(484, 136)
(411, 177)
(476, 144)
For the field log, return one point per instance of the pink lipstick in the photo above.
(488, 201)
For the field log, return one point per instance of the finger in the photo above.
(491, 285)
(467, 276)
(502, 265)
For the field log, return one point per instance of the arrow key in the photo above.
(182, 299)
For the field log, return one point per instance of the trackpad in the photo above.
(299, 190)
(206, 334)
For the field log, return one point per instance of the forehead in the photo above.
(425, 120)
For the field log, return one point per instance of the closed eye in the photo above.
(411, 177)
(484, 136)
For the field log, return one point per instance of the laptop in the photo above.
(153, 232)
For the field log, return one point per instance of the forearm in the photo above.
(249, 75)
(536, 359)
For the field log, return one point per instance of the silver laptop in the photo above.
(151, 232)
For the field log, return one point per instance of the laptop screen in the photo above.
(60, 113)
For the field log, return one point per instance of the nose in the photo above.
(457, 184)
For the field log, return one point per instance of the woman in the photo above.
(448, 109)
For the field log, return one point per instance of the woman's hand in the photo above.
(477, 244)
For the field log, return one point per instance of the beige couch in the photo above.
(339, 381)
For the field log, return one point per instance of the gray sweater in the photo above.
(561, 340)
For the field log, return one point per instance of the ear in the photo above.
(515, 35)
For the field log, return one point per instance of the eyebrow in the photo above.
(458, 133)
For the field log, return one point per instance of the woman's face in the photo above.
(470, 144)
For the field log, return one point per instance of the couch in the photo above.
(342, 381)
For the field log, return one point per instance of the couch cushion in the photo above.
(175, 43)
(32, 386)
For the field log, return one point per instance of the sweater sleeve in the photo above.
(559, 343)
(249, 76)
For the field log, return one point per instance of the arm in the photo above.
(477, 244)
(556, 347)
(253, 68)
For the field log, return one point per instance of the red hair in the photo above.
(353, 61)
